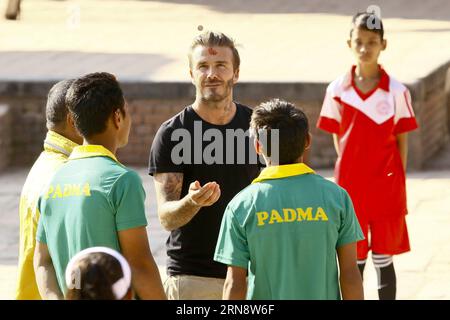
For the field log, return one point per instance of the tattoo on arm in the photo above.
(172, 213)
(170, 185)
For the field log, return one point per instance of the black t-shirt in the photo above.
(191, 248)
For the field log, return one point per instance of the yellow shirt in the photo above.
(56, 151)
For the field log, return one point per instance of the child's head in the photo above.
(98, 273)
(97, 105)
(367, 37)
(292, 126)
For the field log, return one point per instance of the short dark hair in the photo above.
(98, 272)
(367, 21)
(215, 39)
(291, 122)
(92, 99)
(56, 108)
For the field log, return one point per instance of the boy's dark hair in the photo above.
(215, 39)
(92, 99)
(56, 108)
(97, 273)
(367, 21)
(292, 125)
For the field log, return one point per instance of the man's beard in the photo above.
(213, 96)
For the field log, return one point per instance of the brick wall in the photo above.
(28, 129)
(147, 116)
(5, 136)
(153, 103)
(430, 102)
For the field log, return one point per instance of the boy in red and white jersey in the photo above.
(369, 114)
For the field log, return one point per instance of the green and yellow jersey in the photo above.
(88, 201)
(56, 151)
(285, 228)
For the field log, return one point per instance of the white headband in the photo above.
(121, 286)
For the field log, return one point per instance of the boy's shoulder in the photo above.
(329, 186)
(326, 187)
(126, 176)
(396, 86)
(118, 179)
(104, 166)
(337, 86)
(244, 198)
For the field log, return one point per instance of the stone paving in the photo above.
(279, 41)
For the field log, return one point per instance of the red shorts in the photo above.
(386, 237)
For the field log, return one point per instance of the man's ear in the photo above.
(384, 44)
(236, 76)
(192, 76)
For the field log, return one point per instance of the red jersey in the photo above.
(369, 166)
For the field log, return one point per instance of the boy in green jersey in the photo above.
(93, 200)
(285, 229)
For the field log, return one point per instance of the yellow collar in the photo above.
(91, 150)
(283, 171)
(58, 143)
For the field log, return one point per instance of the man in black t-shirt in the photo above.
(200, 159)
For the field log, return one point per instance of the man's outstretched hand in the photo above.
(204, 196)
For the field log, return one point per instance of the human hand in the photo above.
(203, 196)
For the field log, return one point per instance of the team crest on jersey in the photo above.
(383, 107)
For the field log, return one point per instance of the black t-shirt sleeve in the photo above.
(160, 159)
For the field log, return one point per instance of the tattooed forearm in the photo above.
(171, 184)
(173, 212)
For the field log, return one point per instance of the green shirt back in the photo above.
(285, 229)
(89, 199)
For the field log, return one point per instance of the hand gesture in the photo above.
(204, 196)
